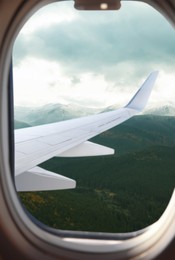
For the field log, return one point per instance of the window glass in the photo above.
(69, 64)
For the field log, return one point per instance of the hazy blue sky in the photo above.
(93, 58)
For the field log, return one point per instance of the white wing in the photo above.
(35, 145)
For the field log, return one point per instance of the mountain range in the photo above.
(123, 192)
(50, 113)
(167, 110)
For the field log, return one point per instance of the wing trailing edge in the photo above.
(38, 179)
(87, 149)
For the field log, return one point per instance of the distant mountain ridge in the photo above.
(19, 124)
(138, 133)
(166, 110)
(123, 192)
(51, 113)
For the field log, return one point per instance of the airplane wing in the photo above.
(34, 145)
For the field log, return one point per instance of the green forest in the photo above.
(123, 192)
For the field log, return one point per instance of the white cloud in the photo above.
(93, 79)
(49, 15)
(32, 78)
(37, 82)
(164, 91)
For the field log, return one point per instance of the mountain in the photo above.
(19, 124)
(162, 111)
(112, 195)
(167, 110)
(51, 113)
(58, 112)
(138, 133)
(123, 192)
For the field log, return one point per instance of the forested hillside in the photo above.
(119, 193)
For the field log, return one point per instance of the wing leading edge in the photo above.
(35, 145)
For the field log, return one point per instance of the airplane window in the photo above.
(69, 64)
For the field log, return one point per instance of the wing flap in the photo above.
(38, 179)
(87, 149)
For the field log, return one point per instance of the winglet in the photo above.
(139, 101)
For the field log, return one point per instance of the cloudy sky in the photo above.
(94, 59)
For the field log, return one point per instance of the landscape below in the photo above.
(118, 193)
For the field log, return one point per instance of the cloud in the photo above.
(119, 47)
(89, 43)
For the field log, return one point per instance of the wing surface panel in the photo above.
(39, 149)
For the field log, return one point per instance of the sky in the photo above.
(94, 59)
